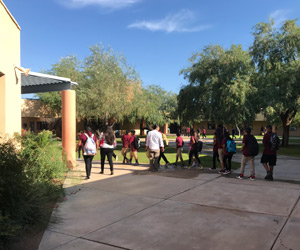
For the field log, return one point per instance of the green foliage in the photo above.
(108, 87)
(69, 67)
(220, 88)
(275, 53)
(155, 106)
(28, 184)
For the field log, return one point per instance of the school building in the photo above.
(15, 80)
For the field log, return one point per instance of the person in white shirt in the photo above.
(154, 145)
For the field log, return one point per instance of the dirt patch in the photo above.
(29, 241)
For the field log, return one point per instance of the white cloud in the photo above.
(179, 22)
(110, 4)
(279, 16)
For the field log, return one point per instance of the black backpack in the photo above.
(252, 145)
(275, 142)
(199, 145)
(137, 142)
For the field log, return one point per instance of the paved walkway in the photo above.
(174, 209)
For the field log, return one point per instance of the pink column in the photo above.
(69, 126)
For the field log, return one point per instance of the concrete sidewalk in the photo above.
(173, 209)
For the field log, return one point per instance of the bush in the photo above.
(30, 181)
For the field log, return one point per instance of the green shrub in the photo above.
(31, 171)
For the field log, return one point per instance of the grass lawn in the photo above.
(170, 153)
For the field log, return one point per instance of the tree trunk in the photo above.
(238, 130)
(286, 134)
(142, 127)
(286, 119)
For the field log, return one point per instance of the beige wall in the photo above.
(10, 81)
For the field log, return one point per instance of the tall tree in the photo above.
(154, 105)
(69, 67)
(220, 88)
(276, 55)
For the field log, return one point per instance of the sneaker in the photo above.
(227, 172)
(200, 167)
(240, 176)
(252, 178)
(212, 168)
(193, 165)
(221, 171)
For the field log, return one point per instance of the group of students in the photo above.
(223, 152)
(89, 143)
(223, 149)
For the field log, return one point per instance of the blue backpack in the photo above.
(231, 146)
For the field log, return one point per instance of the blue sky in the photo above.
(156, 36)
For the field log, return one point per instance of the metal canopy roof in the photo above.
(38, 83)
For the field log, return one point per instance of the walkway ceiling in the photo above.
(39, 83)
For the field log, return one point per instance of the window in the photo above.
(211, 125)
(41, 125)
(293, 128)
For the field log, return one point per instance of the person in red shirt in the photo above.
(269, 156)
(125, 147)
(133, 150)
(193, 148)
(246, 157)
(88, 158)
(179, 147)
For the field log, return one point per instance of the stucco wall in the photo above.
(10, 82)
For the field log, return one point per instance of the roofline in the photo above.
(11, 16)
(50, 76)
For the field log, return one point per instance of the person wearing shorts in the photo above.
(133, 150)
(125, 147)
(179, 146)
(269, 156)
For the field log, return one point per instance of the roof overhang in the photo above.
(39, 83)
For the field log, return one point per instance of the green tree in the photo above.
(275, 53)
(108, 87)
(154, 105)
(220, 88)
(69, 67)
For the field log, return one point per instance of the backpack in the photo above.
(231, 146)
(252, 146)
(89, 146)
(165, 139)
(275, 142)
(137, 142)
(199, 145)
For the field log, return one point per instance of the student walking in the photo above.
(89, 144)
(107, 148)
(193, 148)
(179, 147)
(219, 140)
(269, 155)
(162, 154)
(154, 145)
(229, 149)
(80, 147)
(248, 155)
(125, 147)
(215, 152)
(203, 133)
(134, 147)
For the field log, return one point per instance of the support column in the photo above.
(69, 126)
